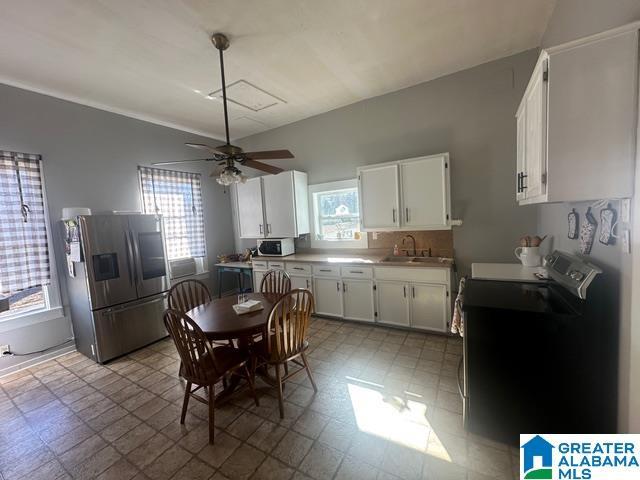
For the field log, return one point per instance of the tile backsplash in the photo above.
(440, 242)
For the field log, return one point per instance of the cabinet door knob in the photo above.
(404, 288)
(406, 214)
(260, 225)
(393, 210)
(413, 292)
(338, 286)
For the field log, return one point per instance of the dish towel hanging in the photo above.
(457, 324)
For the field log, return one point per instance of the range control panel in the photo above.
(571, 272)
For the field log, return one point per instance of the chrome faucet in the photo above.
(415, 252)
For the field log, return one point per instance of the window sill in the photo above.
(30, 318)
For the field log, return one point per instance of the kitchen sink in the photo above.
(427, 260)
(431, 260)
(397, 259)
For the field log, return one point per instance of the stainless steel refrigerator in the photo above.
(119, 292)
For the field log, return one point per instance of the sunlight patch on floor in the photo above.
(399, 419)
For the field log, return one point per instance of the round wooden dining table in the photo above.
(219, 321)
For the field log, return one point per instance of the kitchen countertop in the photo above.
(234, 264)
(373, 260)
(513, 272)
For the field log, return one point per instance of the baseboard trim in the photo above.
(39, 359)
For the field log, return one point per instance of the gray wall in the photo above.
(90, 160)
(570, 20)
(469, 114)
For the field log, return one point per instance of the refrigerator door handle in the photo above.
(135, 255)
(127, 241)
(130, 305)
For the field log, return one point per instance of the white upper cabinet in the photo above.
(410, 194)
(425, 193)
(531, 123)
(250, 215)
(577, 121)
(379, 196)
(273, 206)
(279, 205)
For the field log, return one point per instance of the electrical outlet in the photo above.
(625, 210)
(626, 241)
(4, 349)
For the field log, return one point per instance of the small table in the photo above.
(239, 268)
(219, 321)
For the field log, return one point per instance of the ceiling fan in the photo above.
(228, 155)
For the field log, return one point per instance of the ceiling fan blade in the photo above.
(269, 155)
(184, 161)
(202, 146)
(261, 166)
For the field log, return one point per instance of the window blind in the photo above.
(24, 250)
(177, 196)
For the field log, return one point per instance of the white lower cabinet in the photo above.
(393, 303)
(257, 279)
(429, 307)
(405, 297)
(357, 296)
(301, 282)
(328, 295)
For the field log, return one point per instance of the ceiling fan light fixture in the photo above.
(230, 176)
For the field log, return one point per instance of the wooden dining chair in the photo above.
(275, 281)
(188, 294)
(286, 338)
(204, 365)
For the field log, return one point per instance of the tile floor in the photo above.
(388, 408)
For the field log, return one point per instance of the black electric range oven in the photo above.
(539, 357)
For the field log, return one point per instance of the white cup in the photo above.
(529, 256)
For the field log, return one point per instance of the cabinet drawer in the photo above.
(326, 270)
(413, 274)
(356, 272)
(298, 268)
(276, 265)
(259, 264)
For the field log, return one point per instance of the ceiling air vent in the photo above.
(249, 96)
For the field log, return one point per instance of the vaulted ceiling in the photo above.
(289, 59)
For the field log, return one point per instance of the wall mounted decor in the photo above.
(608, 217)
(572, 220)
(587, 232)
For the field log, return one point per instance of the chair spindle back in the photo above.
(275, 281)
(288, 324)
(188, 294)
(196, 352)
